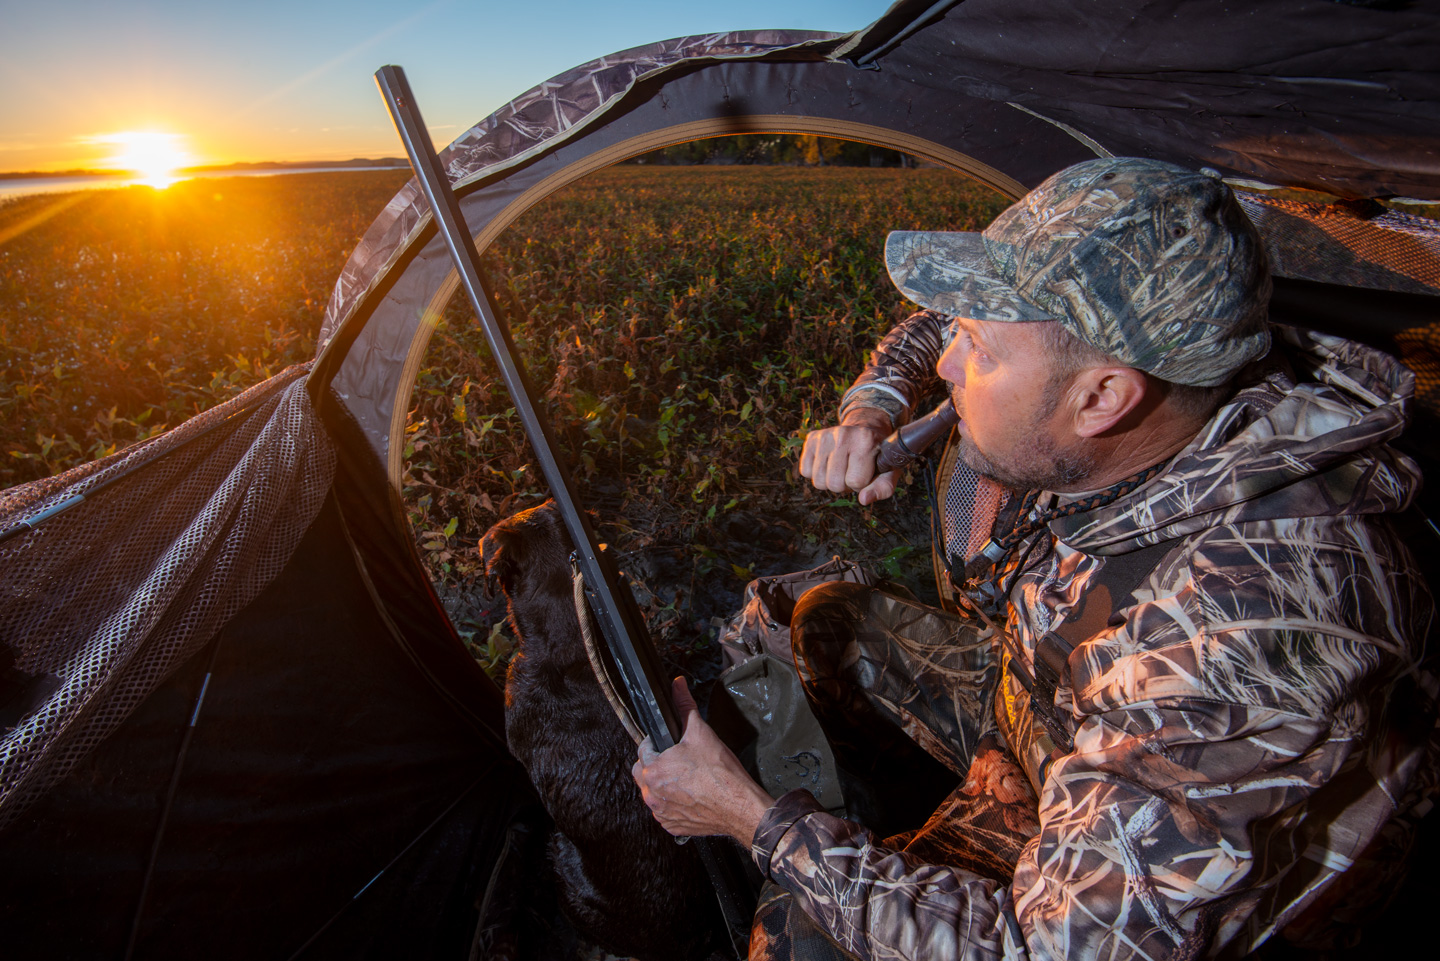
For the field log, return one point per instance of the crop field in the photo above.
(123, 312)
(686, 326)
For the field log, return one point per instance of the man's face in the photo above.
(1011, 425)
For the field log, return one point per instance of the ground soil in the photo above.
(690, 585)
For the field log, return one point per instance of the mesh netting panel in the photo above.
(99, 603)
(1420, 351)
(1361, 245)
(1340, 244)
(971, 503)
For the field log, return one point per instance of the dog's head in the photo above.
(527, 548)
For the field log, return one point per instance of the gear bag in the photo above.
(791, 751)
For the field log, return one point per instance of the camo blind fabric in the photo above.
(101, 602)
(537, 121)
(1354, 245)
(1362, 245)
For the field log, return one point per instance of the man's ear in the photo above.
(1105, 397)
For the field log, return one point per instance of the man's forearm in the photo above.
(879, 903)
(901, 369)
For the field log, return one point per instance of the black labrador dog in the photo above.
(623, 881)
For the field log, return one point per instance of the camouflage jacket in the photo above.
(1253, 725)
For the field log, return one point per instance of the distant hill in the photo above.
(789, 150)
(291, 165)
(356, 163)
(38, 174)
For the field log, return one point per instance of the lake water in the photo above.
(46, 185)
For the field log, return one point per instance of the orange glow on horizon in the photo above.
(153, 156)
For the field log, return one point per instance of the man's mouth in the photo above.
(959, 410)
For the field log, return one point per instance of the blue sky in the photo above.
(273, 80)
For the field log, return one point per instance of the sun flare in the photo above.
(153, 156)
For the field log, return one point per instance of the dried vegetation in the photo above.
(685, 325)
(123, 312)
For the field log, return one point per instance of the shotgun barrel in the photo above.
(621, 623)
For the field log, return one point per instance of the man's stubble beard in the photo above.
(1049, 470)
(1044, 466)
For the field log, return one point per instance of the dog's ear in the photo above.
(497, 553)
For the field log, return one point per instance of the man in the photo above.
(1184, 686)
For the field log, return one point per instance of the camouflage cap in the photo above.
(1155, 265)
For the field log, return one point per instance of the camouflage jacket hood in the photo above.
(1304, 437)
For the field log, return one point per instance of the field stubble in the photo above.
(130, 310)
(686, 326)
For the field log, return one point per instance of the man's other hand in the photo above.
(699, 787)
(843, 458)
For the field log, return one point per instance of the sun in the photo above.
(152, 155)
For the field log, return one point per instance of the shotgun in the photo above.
(610, 599)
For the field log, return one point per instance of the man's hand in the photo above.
(699, 787)
(843, 458)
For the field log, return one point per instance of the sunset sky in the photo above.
(292, 79)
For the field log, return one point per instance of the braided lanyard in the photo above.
(1025, 520)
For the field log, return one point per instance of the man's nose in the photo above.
(951, 365)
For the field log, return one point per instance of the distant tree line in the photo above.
(795, 150)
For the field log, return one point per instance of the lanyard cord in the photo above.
(1012, 527)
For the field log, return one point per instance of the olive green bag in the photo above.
(791, 751)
